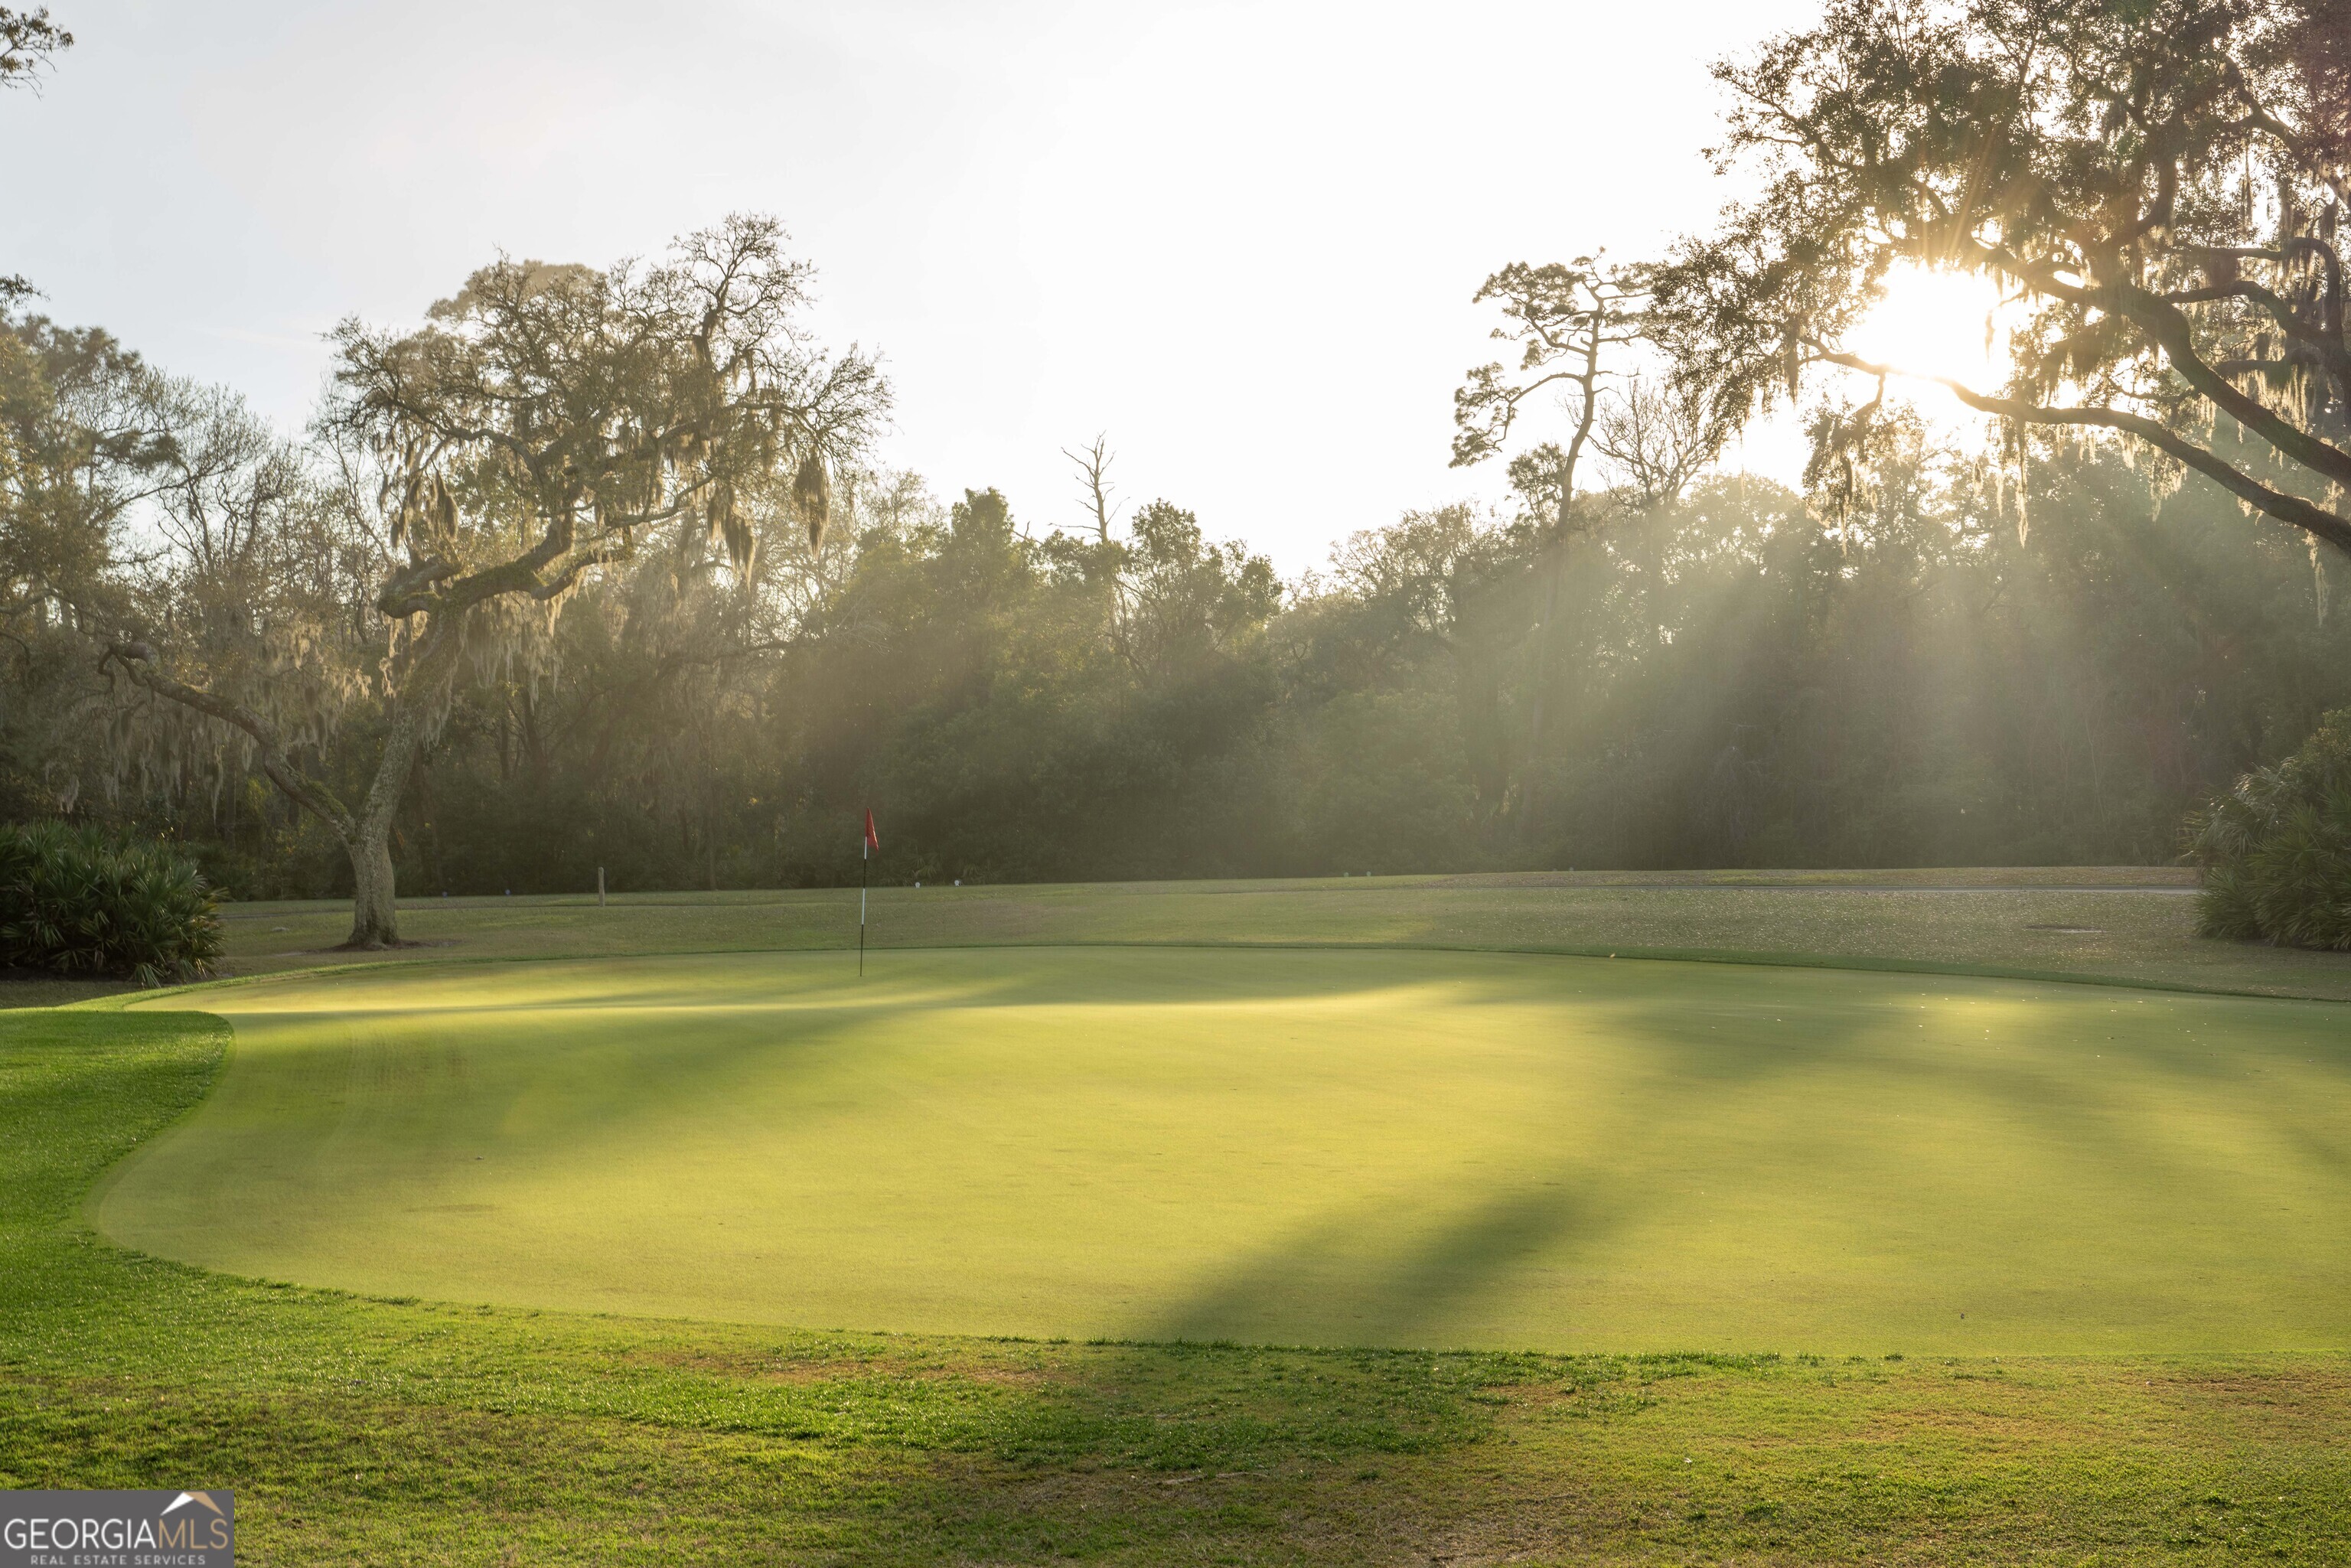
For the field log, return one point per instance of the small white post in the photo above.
(600, 887)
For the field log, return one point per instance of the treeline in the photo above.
(592, 567)
(1950, 673)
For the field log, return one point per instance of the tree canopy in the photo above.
(29, 42)
(545, 423)
(596, 568)
(2157, 184)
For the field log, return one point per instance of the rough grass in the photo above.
(359, 1431)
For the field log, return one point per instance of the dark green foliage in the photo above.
(2276, 849)
(77, 902)
(1729, 683)
(1673, 677)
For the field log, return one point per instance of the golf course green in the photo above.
(1288, 1146)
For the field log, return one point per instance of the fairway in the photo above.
(1332, 1147)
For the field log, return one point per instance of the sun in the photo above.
(1936, 323)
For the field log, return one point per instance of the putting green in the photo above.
(1329, 1148)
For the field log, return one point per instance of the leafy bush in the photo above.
(76, 902)
(2276, 849)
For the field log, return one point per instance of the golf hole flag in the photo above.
(864, 856)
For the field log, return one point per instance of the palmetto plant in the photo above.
(76, 900)
(2276, 849)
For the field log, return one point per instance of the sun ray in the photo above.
(1939, 323)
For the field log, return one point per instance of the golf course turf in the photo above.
(1398, 1149)
(2142, 1187)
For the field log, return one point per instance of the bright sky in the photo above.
(1241, 239)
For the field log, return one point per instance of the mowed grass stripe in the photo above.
(1396, 1148)
(2136, 936)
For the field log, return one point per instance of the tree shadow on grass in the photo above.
(1411, 1300)
(1443, 1287)
(1424, 1266)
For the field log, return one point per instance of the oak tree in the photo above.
(545, 423)
(2157, 186)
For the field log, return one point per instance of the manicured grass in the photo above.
(366, 1431)
(356, 1431)
(1317, 1147)
(2131, 923)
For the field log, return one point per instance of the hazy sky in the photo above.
(1241, 239)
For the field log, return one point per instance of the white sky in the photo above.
(1241, 238)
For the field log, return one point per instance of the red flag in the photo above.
(872, 842)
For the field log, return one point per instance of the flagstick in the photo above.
(864, 853)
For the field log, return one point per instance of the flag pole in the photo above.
(865, 854)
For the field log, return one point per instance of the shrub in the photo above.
(2276, 849)
(75, 901)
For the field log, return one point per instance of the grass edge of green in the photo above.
(1861, 963)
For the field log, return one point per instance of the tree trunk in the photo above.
(366, 835)
(1554, 566)
(375, 918)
